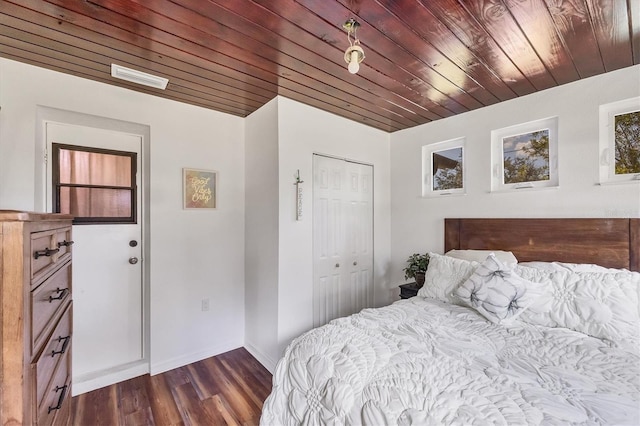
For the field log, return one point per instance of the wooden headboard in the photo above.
(614, 243)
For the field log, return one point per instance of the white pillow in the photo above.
(575, 267)
(481, 255)
(497, 292)
(599, 304)
(444, 275)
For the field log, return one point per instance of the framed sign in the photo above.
(199, 189)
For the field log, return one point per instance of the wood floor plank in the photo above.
(177, 377)
(242, 382)
(252, 422)
(192, 409)
(134, 402)
(251, 364)
(223, 407)
(98, 408)
(239, 400)
(138, 418)
(250, 369)
(163, 406)
(225, 390)
(204, 383)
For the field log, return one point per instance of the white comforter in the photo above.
(420, 361)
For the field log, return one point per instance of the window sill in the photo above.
(619, 182)
(443, 195)
(526, 189)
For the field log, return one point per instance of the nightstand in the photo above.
(408, 290)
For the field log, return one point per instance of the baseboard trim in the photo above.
(170, 364)
(100, 379)
(266, 361)
(97, 380)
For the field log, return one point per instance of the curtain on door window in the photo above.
(95, 184)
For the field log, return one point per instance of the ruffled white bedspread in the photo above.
(420, 361)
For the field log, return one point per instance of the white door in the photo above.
(342, 238)
(107, 272)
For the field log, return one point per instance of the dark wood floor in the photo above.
(226, 389)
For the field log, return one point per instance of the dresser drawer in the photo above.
(63, 415)
(49, 249)
(56, 393)
(53, 352)
(64, 243)
(47, 302)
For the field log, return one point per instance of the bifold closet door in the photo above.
(342, 238)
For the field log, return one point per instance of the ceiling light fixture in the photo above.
(118, 71)
(354, 53)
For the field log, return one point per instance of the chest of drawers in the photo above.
(36, 315)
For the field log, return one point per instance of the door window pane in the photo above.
(94, 168)
(94, 185)
(95, 202)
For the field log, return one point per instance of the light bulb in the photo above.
(354, 66)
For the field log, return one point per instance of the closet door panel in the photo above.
(343, 238)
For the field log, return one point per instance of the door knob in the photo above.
(133, 260)
(355, 263)
(337, 265)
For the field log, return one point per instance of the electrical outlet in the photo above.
(205, 304)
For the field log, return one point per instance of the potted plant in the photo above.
(416, 268)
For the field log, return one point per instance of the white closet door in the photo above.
(343, 238)
(358, 220)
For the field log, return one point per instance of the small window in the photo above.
(620, 141)
(627, 143)
(525, 156)
(94, 185)
(443, 168)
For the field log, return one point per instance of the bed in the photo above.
(562, 349)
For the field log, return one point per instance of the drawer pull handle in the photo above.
(61, 399)
(46, 252)
(62, 292)
(65, 243)
(64, 345)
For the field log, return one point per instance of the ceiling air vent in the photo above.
(139, 77)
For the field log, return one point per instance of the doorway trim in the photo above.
(47, 114)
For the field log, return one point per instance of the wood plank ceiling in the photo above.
(425, 59)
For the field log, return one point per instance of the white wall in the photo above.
(417, 223)
(297, 133)
(261, 234)
(194, 254)
(303, 131)
(201, 254)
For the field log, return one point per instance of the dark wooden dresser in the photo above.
(36, 302)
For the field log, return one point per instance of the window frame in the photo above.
(427, 167)
(56, 185)
(497, 155)
(607, 142)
